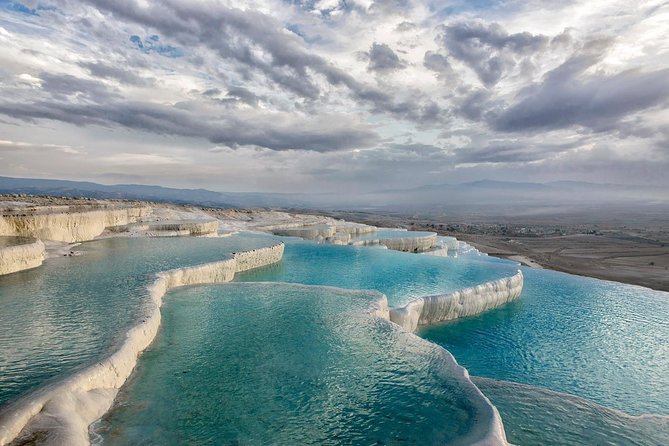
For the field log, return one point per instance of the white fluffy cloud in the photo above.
(287, 95)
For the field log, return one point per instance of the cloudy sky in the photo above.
(334, 95)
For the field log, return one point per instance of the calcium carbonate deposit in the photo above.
(20, 254)
(296, 352)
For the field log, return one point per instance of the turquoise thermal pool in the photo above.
(253, 363)
(73, 310)
(288, 364)
(400, 276)
(537, 416)
(603, 341)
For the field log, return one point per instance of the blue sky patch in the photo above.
(295, 29)
(17, 7)
(152, 44)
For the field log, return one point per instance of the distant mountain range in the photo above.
(201, 197)
(486, 196)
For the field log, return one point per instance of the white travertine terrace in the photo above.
(466, 302)
(407, 244)
(314, 232)
(63, 224)
(443, 246)
(309, 227)
(183, 227)
(333, 231)
(65, 410)
(21, 257)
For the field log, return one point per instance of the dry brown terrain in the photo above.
(613, 257)
(632, 250)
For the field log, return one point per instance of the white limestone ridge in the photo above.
(466, 248)
(337, 232)
(313, 232)
(67, 224)
(444, 247)
(63, 412)
(466, 302)
(21, 257)
(194, 227)
(407, 244)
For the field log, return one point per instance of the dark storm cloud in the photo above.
(383, 59)
(512, 152)
(320, 135)
(62, 86)
(438, 63)
(488, 49)
(106, 71)
(475, 104)
(243, 95)
(211, 92)
(419, 148)
(567, 96)
(389, 6)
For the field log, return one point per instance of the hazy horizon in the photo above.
(472, 199)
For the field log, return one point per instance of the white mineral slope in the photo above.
(311, 227)
(444, 246)
(198, 227)
(466, 302)
(314, 232)
(21, 257)
(333, 231)
(406, 244)
(62, 413)
(68, 226)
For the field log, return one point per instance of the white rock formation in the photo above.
(466, 248)
(20, 257)
(448, 242)
(351, 228)
(443, 246)
(64, 411)
(309, 227)
(466, 302)
(338, 232)
(64, 224)
(183, 227)
(406, 244)
(313, 232)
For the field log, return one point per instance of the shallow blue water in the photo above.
(258, 364)
(72, 310)
(600, 340)
(537, 416)
(400, 276)
(604, 341)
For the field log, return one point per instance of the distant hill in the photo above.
(485, 197)
(201, 197)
